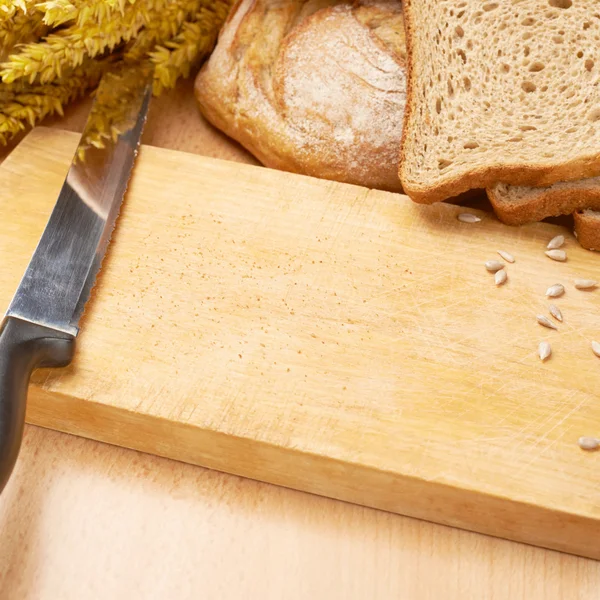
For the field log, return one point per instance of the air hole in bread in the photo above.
(462, 54)
(580, 54)
(467, 83)
(528, 21)
(558, 39)
(438, 106)
(450, 89)
(528, 87)
(527, 128)
(594, 115)
(516, 138)
(443, 164)
(490, 6)
(560, 3)
(572, 130)
(460, 32)
(469, 45)
(527, 51)
(526, 36)
(586, 25)
(471, 145)
(589, 64)
(504, 68)
(537, 66)
(460, 15)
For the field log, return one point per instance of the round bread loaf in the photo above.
(313, 87)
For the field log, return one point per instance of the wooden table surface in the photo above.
(80, 519)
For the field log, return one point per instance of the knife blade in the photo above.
(42, 321)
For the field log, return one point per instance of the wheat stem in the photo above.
(178, 56)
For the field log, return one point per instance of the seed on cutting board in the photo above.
(555, 312)
(588, 443)
(596, 348)
(546, 322)
(556, 242)
(585, 284)
(559, 255)
(494, 265)
(468, 218)
(500, 277)
(544, 350)
(555, 291)
(506, 256)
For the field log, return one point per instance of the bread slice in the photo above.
(587, 228)
(517, 205)
(499, 90)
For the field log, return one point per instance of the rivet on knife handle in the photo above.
(42, 321)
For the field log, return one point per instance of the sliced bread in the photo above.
(499, 91)
(516, 205)
(587, 228)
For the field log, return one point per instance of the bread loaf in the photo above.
(500, 91)
(312, 87)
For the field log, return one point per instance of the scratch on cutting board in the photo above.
(540, 440)
(539, 425)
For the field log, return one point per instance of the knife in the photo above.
(42, 322)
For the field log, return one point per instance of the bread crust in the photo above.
(513, 172)
(587, 229)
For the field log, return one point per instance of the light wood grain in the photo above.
(310, 339)
(82, 521)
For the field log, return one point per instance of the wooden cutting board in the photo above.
(327, 338)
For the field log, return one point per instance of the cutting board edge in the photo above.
(42, 132)
(434, 502)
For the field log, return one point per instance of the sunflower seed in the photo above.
(546, 322)
(556, 290)
(468, 218)
(559, 255)
(555, 312)
(494, 265)
(588, 443)
(506, 256)
(500, 277)
(596, 348)
(556, 242)
(585, 284)
(544, 351)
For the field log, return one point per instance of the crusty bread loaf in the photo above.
(517, 205)
(587, 228)
(500, 91)
(312, 88)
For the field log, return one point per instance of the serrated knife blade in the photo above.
(42, 321)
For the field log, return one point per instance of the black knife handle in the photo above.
(24, 346)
